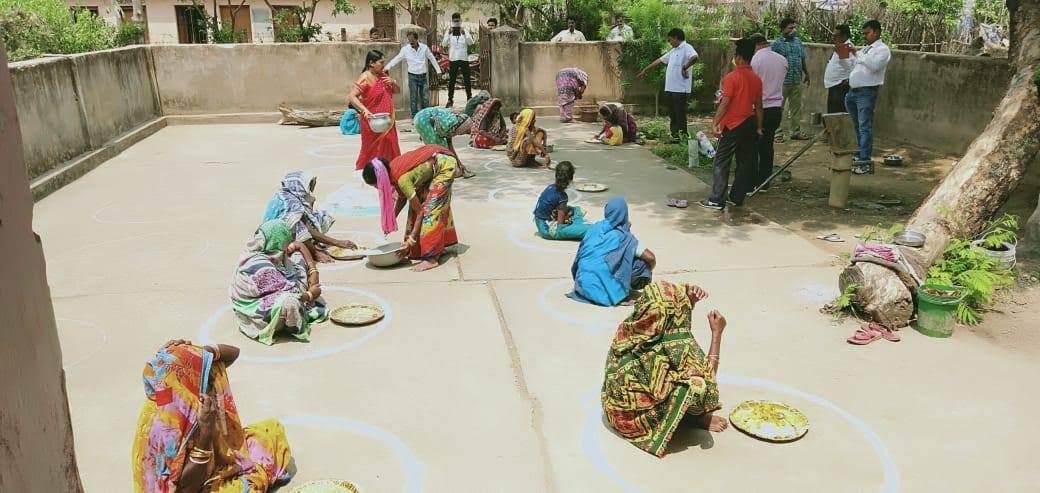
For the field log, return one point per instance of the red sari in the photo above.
(378, 98)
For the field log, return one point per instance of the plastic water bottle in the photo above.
(706, 148)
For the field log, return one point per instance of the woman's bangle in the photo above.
(215, 349)
(307, 294)
(715, 356)
(195, 460)
(312, 270)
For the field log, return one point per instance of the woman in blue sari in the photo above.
(294, 204)
(611, 263)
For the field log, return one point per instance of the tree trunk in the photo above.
(310, 118)
(1031, 232)
(979, 184)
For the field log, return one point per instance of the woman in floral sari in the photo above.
(189, 437)
(272, 292)
(526, 141)
(437, 126)
(657, 374)
(372, 93)
(488, 127)
(570, 86)
(422, 179)
(294, 204)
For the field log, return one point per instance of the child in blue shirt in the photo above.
(555, 219)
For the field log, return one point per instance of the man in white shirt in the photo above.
(620, 31)
(569, 35)
(836, 76)
(771, 67)
(457, 40)
(866, 79)
(415, 55)
(677, 81)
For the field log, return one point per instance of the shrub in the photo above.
(129, 33)
(35, 27)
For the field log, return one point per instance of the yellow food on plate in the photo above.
(773, 421)
(357, 314)
(326, 486)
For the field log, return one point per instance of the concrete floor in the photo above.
(484, 377)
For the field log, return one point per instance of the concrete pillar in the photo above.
(36, 447)
(843, 145)
(505, 67)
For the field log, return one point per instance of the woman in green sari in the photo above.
(656, 372)
(438, 126)
(273, 292)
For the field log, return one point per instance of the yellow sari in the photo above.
(251, 459)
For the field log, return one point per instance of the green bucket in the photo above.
(936, 313)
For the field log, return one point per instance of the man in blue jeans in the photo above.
(866, 79)
(416, 54)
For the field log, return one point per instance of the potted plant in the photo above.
(998, 240)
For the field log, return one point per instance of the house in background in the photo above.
(179, 21)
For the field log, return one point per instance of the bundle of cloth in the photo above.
(350, 124)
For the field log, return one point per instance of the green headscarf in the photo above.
(277, 235)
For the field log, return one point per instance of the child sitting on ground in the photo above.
(555, 219)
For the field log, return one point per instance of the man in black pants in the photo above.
(738, 123)
(836, 76)
(457, 40)
(677, 82)
(771, 68)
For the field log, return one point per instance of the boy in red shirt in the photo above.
(738, 123)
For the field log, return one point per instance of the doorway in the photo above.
(191, 24)
(238, 19)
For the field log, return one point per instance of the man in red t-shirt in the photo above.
(738, 123)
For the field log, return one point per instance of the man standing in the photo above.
(457, 40)
(771, 68)
(569, 35)
(791, 47)
(738, 123)
(836, 77)
(620, 31)
(866, 79)
(485, 52)
(416, 55)
(677, 82)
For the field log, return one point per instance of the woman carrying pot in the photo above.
(373, 93)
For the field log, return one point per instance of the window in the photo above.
(241, 22)
(385, 19)
(128, 15)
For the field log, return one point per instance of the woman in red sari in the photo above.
(374, 93)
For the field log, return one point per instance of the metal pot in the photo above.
(387, 256)
(893, 160)
(911, 239)
(380, 122)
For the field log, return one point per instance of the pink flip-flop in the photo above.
(864, 335)
(887, 333)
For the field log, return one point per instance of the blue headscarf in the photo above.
(602, 269)
(294, 204)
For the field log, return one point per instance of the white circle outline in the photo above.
(414, 469)
(514, 229)
(346, 264)
(104, 341)
(591, 327)
(388, 315)
(592, 446)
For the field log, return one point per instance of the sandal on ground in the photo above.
(833, 238)
(678, 203)
(889, 334)
(864, 335)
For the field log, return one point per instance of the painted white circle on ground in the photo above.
(80, 340)
(321, 151)
(589, 325)
(591, 445)
(414, 469)
(106, 215)
(373, 330)
(573, 197)
(347, 168)
(524, 236)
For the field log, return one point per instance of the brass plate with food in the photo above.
(770, 421)
(340, 253)
(591, 187)
(357, 314)
(326, 486)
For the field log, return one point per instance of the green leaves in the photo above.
(31, 28)
(981, 275)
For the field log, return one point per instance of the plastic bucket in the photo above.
(937, 314)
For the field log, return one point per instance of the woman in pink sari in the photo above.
(374, 93)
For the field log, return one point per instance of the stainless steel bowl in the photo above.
(911, 239)
(893, 160)
(387, 256)
(380, 122)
